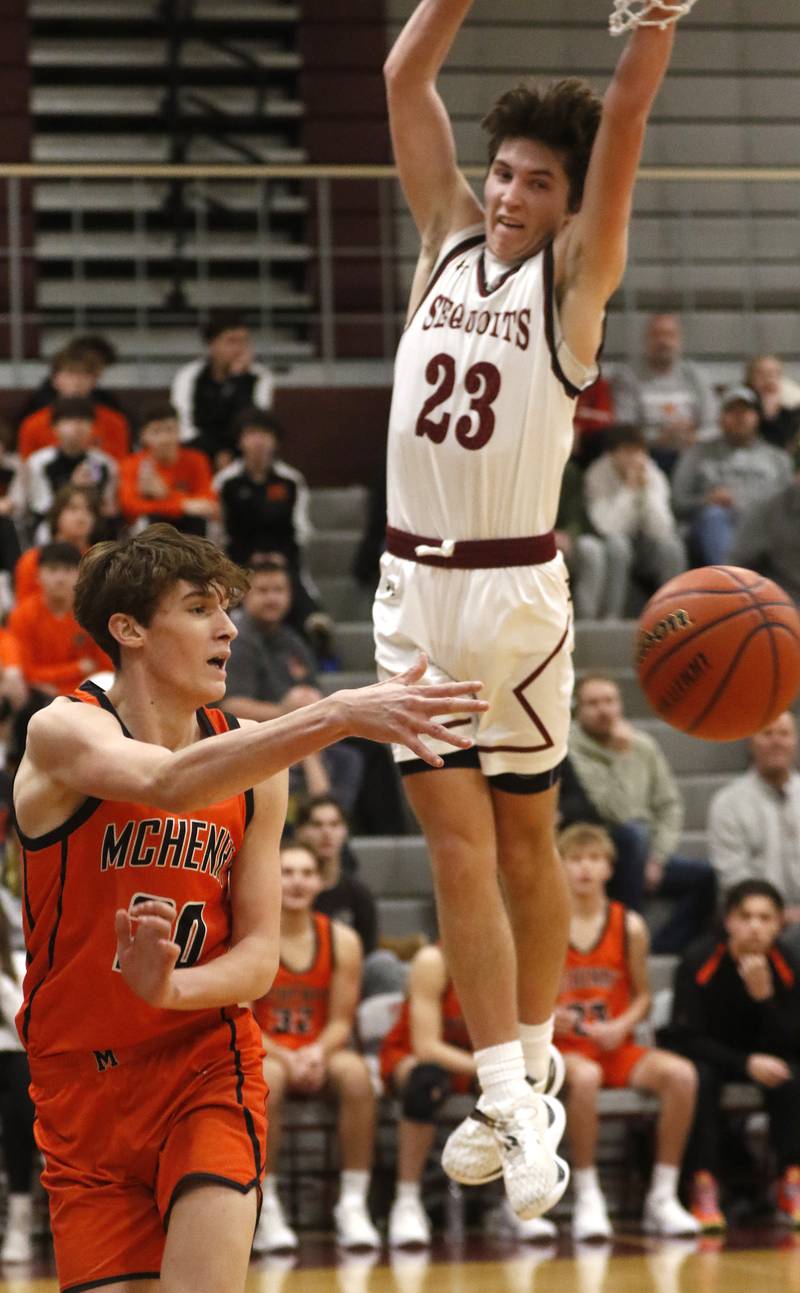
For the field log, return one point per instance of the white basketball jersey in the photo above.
(481, 421)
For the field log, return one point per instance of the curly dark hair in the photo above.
(563, 115)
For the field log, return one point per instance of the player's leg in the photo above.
(674, 1080)
(273, 1233)
(454, 808)
(351, 1084)
(584, 1079)
(209, 1239)
(538, 901)
(422, 1088)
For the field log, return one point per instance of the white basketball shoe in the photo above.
(471, 1154)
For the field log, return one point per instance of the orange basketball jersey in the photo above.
(295, 1010)
(109, 855)
(596, 984)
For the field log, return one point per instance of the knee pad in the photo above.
(426, 1090)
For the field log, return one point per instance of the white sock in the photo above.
(584, 1181)
(501, 1072)
(664, 1183)
(354, 1185)
(407, 1191)
(536, 1039)
(269, 1189)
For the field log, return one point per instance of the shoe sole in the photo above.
(554, 1133)
(553, 1197)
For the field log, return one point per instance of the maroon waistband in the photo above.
(471, 554)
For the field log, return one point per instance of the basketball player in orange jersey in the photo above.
(307, 1019)
(149, 834)
(604, 995)
(503, 330)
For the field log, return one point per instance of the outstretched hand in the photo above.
(403, 710)
(146, 952)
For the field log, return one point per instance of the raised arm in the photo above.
(344, 990)
(592, 251)
(438, 195)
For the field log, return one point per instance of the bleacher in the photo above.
(148, 82)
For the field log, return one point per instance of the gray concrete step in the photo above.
(330, 552)
(339, 509)
(346, 600)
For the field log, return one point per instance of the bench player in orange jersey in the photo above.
(604, 994)
(307, 1019)
(151, 896)
(503, 328)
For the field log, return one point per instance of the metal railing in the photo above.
(90, 245)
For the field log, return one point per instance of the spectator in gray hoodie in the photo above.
(717, 480)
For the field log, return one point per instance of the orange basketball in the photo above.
(718, 652)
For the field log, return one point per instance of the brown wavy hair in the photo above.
(563, 115)
(130, 576)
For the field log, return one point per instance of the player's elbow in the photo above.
(262, 975)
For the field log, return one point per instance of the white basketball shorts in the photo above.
(511, 628)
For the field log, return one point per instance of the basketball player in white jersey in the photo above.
(504, 327)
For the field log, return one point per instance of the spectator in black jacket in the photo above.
(265, 508)
(210, 391)
(736, 1014)
(322, 825)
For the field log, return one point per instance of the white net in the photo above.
(627, 14)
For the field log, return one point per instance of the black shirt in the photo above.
(351, 902)
(715, 1019)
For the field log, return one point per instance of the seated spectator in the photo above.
(669, 396)
(102, 354)
(16, 1108)
(164, 481)
(604, 994)
(271, 672)
(736, 1014)
(74, 374)
(265, 508)
(307, 1019)
(208, 393)
(425, 1057)
(779, 423)
(9, 510)
(70, 461)
(754, 821)
(321, 824)
(629, 783)
(594, 416)
(55, 653)
(582, 549)
(716, 481)
(767, 538)
(627, 501)
(73, 519)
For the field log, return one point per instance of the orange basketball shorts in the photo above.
(617, 1065)
(120, 1144)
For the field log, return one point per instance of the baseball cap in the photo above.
(739, 394)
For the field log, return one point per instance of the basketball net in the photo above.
(627, 14)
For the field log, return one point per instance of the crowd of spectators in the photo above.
(664, 474)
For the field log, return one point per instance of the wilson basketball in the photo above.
(718, 652)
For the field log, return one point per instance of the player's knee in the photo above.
(350, 1076)
(681, 1076)
(425, 1092)
(584, 1079)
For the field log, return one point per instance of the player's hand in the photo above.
(768, 1069)
(757, 976)
(205, 507)
(146, 952)
(403, 710)
(653, 874)
(621, 736)
(609, 1034)
(719, 497)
